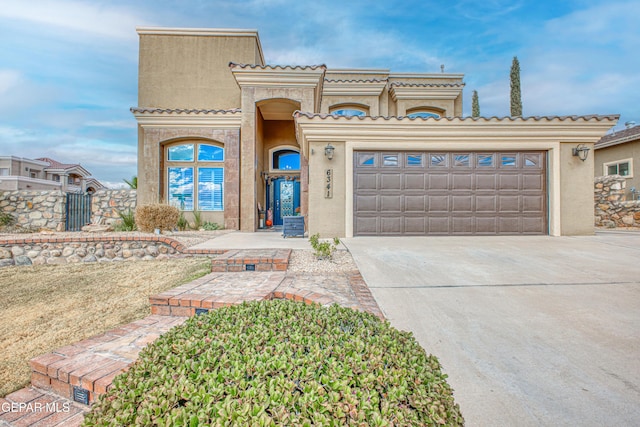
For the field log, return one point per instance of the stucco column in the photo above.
(248, 161)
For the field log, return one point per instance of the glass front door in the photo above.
(286, 198)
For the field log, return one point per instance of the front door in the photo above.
(286, 198)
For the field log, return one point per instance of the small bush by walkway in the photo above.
(281, 363)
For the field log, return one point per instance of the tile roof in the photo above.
(356, 80)
(278, 67)
(182, 111)
(574, 118)
(619, 137)
(56, 164)
(402, 84)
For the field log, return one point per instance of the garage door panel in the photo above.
(486, 225)
(366, 204)
(509, 225)
(464, 225)
(532, 204)
(438, 181)
(417, 193)
(391, 204)
(486, 204)
(391, 225)
(462, 204)
(439, 203)
(509, 204)
(414, 181)
(415, 225)
(438, 225)
(508, 182)
(366, 225)
(414, 204)
(486, 182)
(533, 225)
(462, 182)
(390, 181)
(366, 181)
(532, 182)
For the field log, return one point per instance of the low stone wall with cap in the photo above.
(46, 209)
(612, 210)
(35, 210)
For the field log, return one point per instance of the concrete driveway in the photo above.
(532, 330)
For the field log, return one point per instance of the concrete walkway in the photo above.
(532, 331)
(271, 239)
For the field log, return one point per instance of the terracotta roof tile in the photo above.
(401, 84)
(574, 118)
(619, 137)
(182, 111)
(278, 67)
(56, 164)
(356, 81)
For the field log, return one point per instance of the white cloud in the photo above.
(87, 18)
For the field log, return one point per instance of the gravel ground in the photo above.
(303, 261)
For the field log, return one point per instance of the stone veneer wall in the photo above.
(46, 209)
(62, 250)
(35, 210)
(611, 208)
(105, 205)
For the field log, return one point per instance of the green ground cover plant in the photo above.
(323, 249)
(276, 363)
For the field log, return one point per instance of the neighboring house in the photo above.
(356, 151)
(618, 153)
(19, 173)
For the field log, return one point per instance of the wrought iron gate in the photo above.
(78, 211)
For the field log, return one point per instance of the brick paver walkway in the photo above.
(92, 364)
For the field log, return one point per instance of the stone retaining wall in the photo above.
(46, 209)
(106, 205)
(63, 250)
(611, 208)
(35, 210)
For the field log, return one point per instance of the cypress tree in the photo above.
(475, 105)
(516, 97)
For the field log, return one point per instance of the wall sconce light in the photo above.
(328, 151)
(581, 151)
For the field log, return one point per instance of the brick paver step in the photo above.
(83, 370)
(251, 260)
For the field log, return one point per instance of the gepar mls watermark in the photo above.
(26, 407)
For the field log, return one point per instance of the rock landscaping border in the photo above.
(61, 250)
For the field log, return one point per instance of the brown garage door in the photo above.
(429, 193)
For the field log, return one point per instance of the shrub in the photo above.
(323, 250)
(280, 362)
(158, 216)
(127, 221)
(197, 220)
(210, 226)
(6, 219)
(182, 223)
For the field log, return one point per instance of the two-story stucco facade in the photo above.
(356, 151)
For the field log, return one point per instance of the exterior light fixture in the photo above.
(328, 151)
(581, 151)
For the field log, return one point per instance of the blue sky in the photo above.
(68, 68)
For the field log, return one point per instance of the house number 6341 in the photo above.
(328, 184)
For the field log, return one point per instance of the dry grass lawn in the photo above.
(48, 306)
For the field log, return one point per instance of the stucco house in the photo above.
(355, 151)
(618, 153)
(19, 173)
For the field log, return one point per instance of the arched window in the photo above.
(349, 110)
(423, 114)
(285, 159)
(195, 176)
